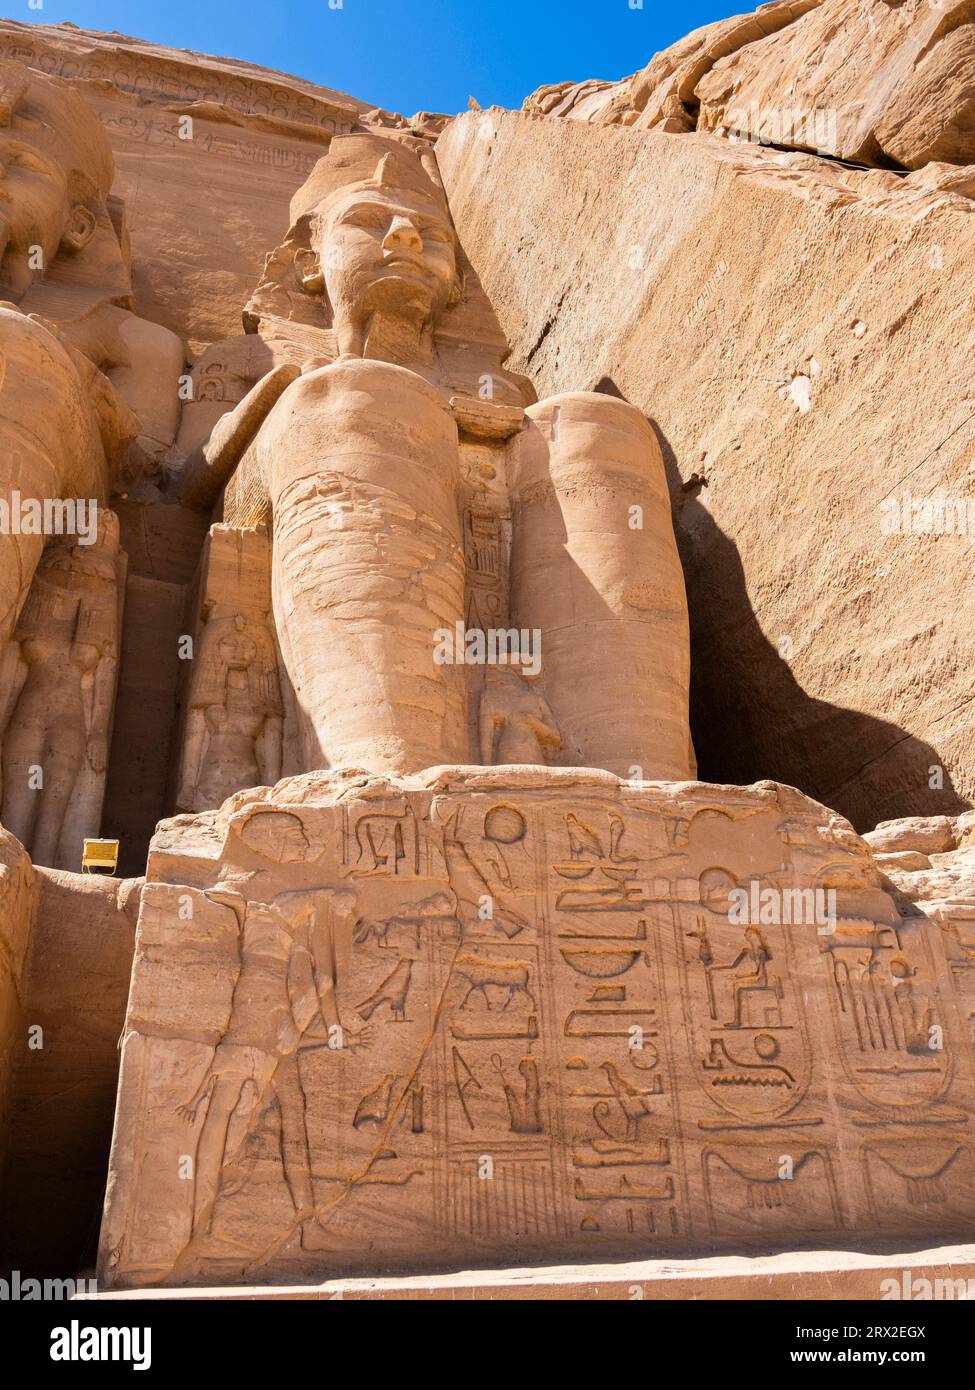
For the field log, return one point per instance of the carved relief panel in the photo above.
(495, 1017)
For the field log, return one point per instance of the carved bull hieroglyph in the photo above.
(511, 976)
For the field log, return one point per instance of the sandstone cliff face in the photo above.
(800, 334)
(876, 83)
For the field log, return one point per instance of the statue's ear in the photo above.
(80, 228)
(308, 269)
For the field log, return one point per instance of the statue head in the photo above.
(55, 174)
(237, 648)
(371, 236)
(233, 642)
(379, 251)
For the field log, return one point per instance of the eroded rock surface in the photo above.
(892, 85)
(771, 314)
(489, 1015)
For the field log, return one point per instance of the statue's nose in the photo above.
(402, 235)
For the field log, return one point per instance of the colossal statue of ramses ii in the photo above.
(83, 379)
(389, 453)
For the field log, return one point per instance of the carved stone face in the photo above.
(77, 566)
(55, 165)
(34, 206)
(385, 253)
(237, 651)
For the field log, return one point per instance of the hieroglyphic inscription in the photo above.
(509, 1023)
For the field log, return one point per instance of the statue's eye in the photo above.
(435, 232)
(364, 217)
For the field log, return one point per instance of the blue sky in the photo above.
(408, 55)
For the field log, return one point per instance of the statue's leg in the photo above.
(595, 569)
(25, 478)
(294, 1136)
(64, 752)
(49, 448)
(211, 1150)
(368, 565)
(21, 801)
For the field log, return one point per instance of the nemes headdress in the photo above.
(367, 161)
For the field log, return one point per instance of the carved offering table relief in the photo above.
(483, 1017)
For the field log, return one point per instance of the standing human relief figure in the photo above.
(57, 697)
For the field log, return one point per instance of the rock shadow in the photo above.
(750, 717)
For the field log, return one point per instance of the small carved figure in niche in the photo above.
(516, 724)
(62, 691)
(234, 728)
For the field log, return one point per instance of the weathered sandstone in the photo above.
(775, 317)
(397, 516)
(891, 85)
(521, 1022)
